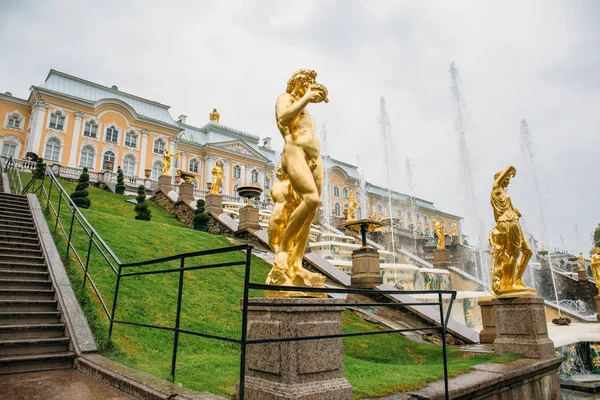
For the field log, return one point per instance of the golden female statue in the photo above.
(581, 262)
(301, 162)
(510, 252)
(439, 230)
(595, 263)
(166, 162)
(217, 173)
(454, 229)
(352, 204)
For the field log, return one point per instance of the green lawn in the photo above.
(375, 365)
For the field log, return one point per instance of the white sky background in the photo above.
(538, 60)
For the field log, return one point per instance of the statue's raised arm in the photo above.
(509, 172)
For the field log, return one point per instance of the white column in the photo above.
(209, 163)
(37, 129)
(184, 162)
(75, 140)
(143, 153)
(172, 150)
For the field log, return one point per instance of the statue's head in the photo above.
(505, 181)
(280, 173)
(597, 250)
(300, 80)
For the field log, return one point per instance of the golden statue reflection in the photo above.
(217, 173)
(214, 116)
(301, 162)
(595, 264)
(439, 231)
(352, 204)
(510, 251)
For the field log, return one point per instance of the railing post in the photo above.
(70, 232)
(58, 212)
(49, 193)
(114, 306)
(443, 322)
(177, 319)
(244, 324)
(87, 261)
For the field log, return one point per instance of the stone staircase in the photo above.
(33, 335)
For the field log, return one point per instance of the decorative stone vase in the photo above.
(147, 173)
(109, 165)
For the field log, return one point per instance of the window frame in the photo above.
(158, 170)
(154, 148)
(254, 176)
(115, 130)
(196, 165)
(129, 135)
(91, 124)
(59, 117)
(48, 143)
(13, 118)
(114, 158)
(93, 151)
(237, 172)
(129, 158)
(5, 146)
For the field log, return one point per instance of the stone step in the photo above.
(34, 346)
(27, 239)
(19, 274)
(27, 305)
(6, 232)
(24, 284)
(25, 219)
(13, 206)
(21, 258)
(26, 294)
(14, 227)
(9, 201)
(36, 362)
(16, 213)
(14, 242)
(29, 317)
(23, 266)
(17, 250)
(13, 196)
(31, 331)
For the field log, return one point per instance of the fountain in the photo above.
(386, 128)
(326, 204)
(249, 213)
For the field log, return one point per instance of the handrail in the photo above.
(14, 178)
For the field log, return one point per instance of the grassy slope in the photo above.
(375, 366)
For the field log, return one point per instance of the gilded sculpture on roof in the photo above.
(214, 116)
(300, 166)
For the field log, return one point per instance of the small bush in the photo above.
(141, 208)
(200, 217)
(80, 195)
(120, 188)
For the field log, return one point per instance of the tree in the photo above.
(120, 188)
(141, 208)
(80, 195)
(597, 236)
(200, 217)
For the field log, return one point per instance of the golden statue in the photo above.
(286, 201)
(439, 230)
(166, 162)
(581, 262)
(217, 173)
(510, 251)
(301, 162)
(214, 116)
(454, 229)
(352, 204)
(595, 263)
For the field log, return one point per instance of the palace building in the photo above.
(74, 123)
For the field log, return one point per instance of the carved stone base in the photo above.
(186, 192)
(305, 370)
(521, 327)
(248, 218)
(488, 319)
(365, 268)
(455, 239)
(582, 275)
(164, 183)
(214, 203)
(441, 258)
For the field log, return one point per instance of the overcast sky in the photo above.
(538, 60)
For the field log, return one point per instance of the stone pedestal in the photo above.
(214, 203)
(597, 298)
(521, 327)
(441, 258)
(455, 239)
(365, 268)
(488, 320)
(248, 218)
(186, 192)
(164, 184)
(582, 275)
(304, 370)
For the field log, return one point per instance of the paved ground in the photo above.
(573, 395)
(63, 384)
(576, 332)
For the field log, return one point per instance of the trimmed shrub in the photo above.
(80, 195)
(200, 217)
(141, 208)
(120, 188)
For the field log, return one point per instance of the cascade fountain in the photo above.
(461, 126)
(386, 129)
(527, 148)
(362, 189)
(327, 200)
(411, 192)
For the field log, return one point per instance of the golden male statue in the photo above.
(595, 264)
(510, 251)
(301, 162)
(166, 162)
(352, 204)
(441, 236)
(286, 201)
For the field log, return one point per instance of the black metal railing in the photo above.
(120, 271)
(7, 165)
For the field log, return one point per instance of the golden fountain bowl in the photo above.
(186, 176)
(250, 191)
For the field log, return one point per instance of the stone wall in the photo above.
(184, 212)
(216, 227)
(165, 202)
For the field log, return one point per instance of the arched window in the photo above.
(254, 176)
(425, 219)
(159, 146)
(380, 209)
(112, 134)
(237, 172)
(336, 191)
(9, 149)
(14, 121)
(194, 165)
(359, 213)
(418, 217)
(52, 150)
(91, 129)
(87, 157)
(57, 121)
(131, 139)
(336, 209)
(345, 193)
(129, 165)
(108, 161)
(156, 170)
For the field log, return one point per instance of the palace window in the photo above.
(418, 217)
(267, 183)
(87, 157)
(14, 122)
(345, 193)
(129, 165)
(108, 161)
(131, 139)
(336, 191)
(425, 219)
(237, 172)
(337, 210)
(194, 165)
(9, 150)
(159, 146)
(57, 121)
(52, 150)
(112, 134)
(359, 213)
(156, 170)
(91, 129)
(254, 176)
(380, 209)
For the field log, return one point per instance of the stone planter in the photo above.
(147, 173)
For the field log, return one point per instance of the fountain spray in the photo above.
(411, 190)
(527, 148)
(461, 127)
(327, 203)
(362, 189)
(386, 128)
